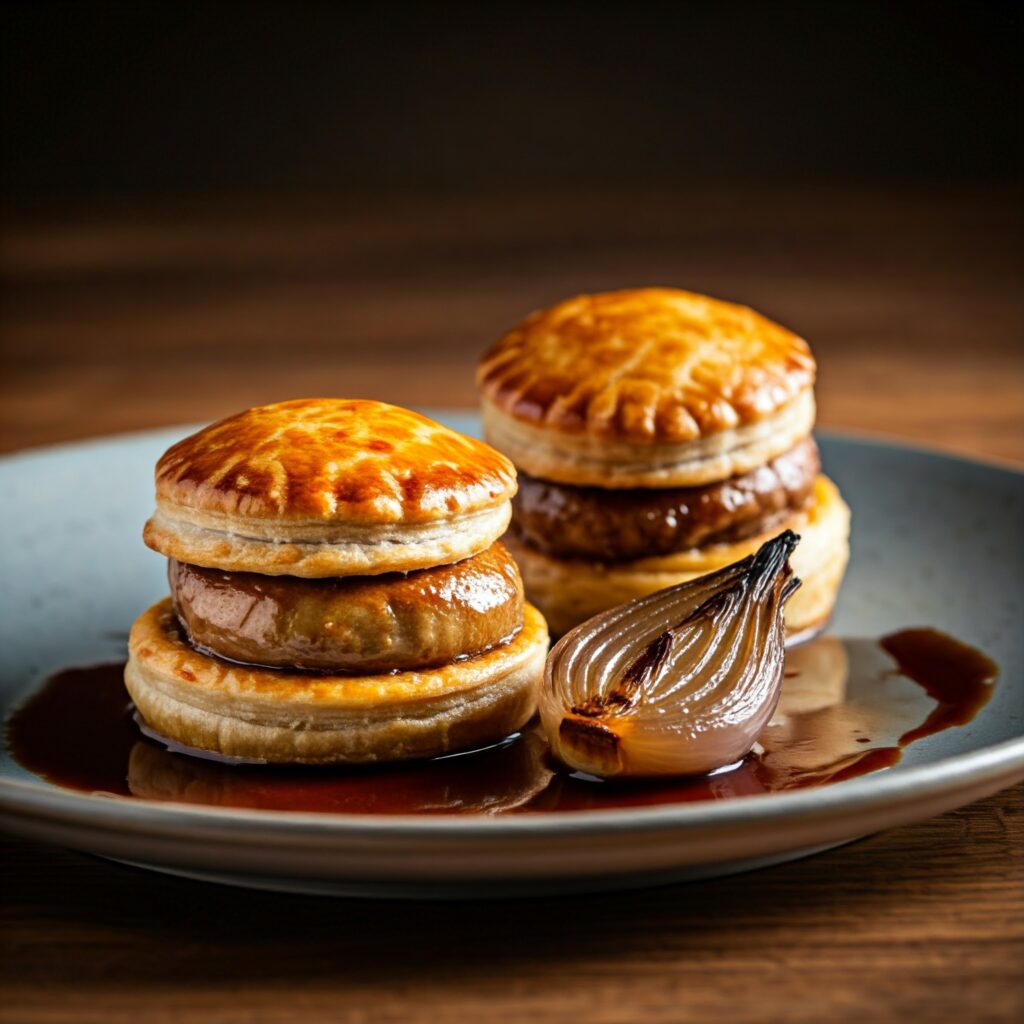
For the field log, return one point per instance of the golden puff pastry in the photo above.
(357, 624)
(652, 387)
(235, 711)
(569, 591)
(328, 487)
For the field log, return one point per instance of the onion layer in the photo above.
(679, 682)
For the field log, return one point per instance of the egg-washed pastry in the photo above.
(336, 595)
(659, 435)
(647, 388)
(328, 487)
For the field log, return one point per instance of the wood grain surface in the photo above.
(130, 319)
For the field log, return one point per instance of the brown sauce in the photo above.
(955, 675)
(846, 710)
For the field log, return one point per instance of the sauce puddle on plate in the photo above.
(847, 708)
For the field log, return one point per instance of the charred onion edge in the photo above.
(581, 729)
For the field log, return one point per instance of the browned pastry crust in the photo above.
(329, 459)
(328, 487)
(593, 522)
(647, 366)
(261, 714)
(359, 624)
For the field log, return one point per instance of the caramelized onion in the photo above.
(679, 682)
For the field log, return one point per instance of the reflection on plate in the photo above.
(845, 710)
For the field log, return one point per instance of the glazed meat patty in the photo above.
(611, 525)
(362, 624)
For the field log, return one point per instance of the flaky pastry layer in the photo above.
(313, 549)
(569, 591)
(276, 716)
(585, 460)
(649, 365)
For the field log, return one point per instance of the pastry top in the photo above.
(332, 460)
(650, 365)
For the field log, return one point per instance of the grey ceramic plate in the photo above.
(937, 541)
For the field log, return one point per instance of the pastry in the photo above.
(647, 388)
(260, 714)
(328, 487)
(336, 592)
(659, 435)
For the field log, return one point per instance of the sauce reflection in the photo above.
(847, 708)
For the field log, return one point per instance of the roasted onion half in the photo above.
(679, 682)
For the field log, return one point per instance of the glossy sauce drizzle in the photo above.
(847, 708)
(955, 675)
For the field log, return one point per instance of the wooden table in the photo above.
(127, 320)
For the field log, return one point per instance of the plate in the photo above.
(937, 541)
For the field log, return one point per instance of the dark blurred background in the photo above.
(118, 100)
(210, 205)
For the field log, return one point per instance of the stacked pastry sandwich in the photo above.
(659, 435)
(337, 594)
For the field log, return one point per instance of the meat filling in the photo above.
(356, 625)
(615, 525)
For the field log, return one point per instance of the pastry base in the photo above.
(238, 711)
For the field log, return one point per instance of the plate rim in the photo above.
(19, 797)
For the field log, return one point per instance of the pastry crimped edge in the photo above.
(332, 460)
(569, 591)
(584, 460)
(645, 364)
(313, 549)
(236, 711)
